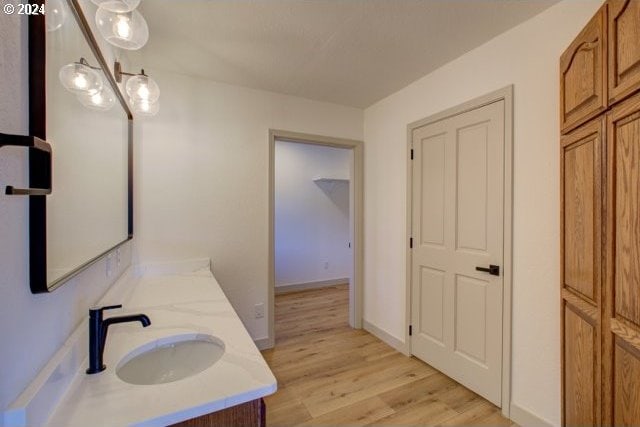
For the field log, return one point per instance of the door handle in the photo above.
(494, 270)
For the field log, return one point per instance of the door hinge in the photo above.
(412, 154)
(410, 242)
(410, 330)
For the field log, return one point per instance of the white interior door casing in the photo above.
(457, 225)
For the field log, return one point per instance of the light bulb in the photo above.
(142, 88)
(145, 108)
(97, 99)
(79, 78)
(122, 27)
(80, 82)
(102, 100)
(143, 92)
(127, 30)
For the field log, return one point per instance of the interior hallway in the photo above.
(330, 374)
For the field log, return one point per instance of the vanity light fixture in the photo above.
(145, 108)
(56, 14)
(142, 90)
(81, 78)
(102, 101)
(127, 30)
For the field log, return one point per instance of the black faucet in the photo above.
(98, 329)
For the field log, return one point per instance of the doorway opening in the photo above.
(315, 225)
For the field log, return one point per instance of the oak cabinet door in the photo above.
(583, 75)
(624, 48)
(581, 167)
(622, 311)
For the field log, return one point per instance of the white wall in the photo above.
(311, 219)
(526, 56)
(32, 327)
(202, 178)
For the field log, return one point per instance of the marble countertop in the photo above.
(176, 304)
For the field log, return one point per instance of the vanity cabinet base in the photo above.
(247, 414)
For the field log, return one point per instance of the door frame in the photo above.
(356, 200)
(505, 94)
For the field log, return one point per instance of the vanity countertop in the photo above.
(176, 304)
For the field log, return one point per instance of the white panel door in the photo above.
(457, 225)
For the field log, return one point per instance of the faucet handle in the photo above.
(95, 310)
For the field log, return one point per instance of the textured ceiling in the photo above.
(350, 52)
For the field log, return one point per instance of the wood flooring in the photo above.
(329, 374)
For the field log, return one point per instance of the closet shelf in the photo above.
(330, 179)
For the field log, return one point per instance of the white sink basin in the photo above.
(170, 359)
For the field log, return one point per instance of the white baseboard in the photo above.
(294, 287)
(386, 337)
(264, 343)
(525, 418)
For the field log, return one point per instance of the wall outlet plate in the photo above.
(259, 308)
(109, 265)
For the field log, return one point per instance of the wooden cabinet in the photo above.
(600, 222)
(250, 414)
(581, 168)
(624, 48)
(583, 74)
(622, 310)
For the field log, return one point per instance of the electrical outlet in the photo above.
(109, 262)
(326, 265)
(259, 310)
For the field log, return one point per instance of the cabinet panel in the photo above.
(626, 411)
(624, 48)
(622, 308)
(582, 206)
(581, 378)
(625, 140)
(583, 75)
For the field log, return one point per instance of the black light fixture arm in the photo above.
(86, 63)
(118, 73)
(36, 145)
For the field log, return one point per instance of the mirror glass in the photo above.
(87, 212)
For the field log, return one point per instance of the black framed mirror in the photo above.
(85, 119)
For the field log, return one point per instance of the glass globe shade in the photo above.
(79, 78)
(56, 14)
(142, 88)
(102, 101)
(127, 30)
(118, 6)
(145, 108)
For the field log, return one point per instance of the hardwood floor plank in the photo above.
(360, 413)
(425, 413)
(425, 389)
(482, 413)
(329, 374)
